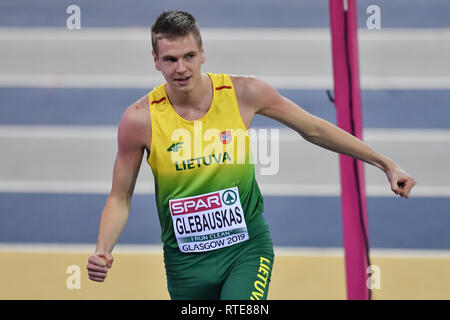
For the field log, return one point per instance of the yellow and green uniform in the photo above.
(209, 203)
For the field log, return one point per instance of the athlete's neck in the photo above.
(198, 98)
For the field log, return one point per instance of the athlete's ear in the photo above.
(155, 58)
(202, 55)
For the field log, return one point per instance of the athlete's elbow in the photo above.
(311, 131)
(120, 200)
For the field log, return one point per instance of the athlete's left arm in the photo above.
(263, 99)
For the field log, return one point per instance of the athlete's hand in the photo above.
(401, 182)
(98, 265)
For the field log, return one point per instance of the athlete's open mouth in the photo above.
(182, 79)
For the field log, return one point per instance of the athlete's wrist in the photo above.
(102, 250)
(384, 163)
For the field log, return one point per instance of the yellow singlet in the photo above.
(206, 192)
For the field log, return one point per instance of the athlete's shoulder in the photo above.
(244, 82)
(138, 112)
(135, 123)
(253, 90)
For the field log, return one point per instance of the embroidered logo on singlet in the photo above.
(225, 136)
(208, 221)
(175, 147)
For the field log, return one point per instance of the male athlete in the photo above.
(217, 244)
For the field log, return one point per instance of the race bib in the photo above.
(209, 221)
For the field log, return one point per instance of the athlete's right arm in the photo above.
(134, 129)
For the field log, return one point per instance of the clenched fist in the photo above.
(401, 182)
(98, 265)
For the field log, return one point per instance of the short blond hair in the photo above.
(172, 25)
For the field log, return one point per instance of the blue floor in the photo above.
(381, 108)
(416, 223)
(231, 13)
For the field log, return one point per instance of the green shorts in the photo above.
(241, 271)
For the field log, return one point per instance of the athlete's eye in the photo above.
(169, 59)
(190, 56)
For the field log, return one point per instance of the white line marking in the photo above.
(34, 80)
(267, 189)
(66, 187)
(404, 135)
(110, 132)
(221, 34)
(148, 81)
(57, 132)
(329, 190)
(272, 189)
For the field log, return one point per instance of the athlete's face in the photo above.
(180, 60)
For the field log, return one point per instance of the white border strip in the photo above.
(374, 253)
(77, 248)
(279, 250)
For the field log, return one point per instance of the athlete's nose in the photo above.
(181, 68)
